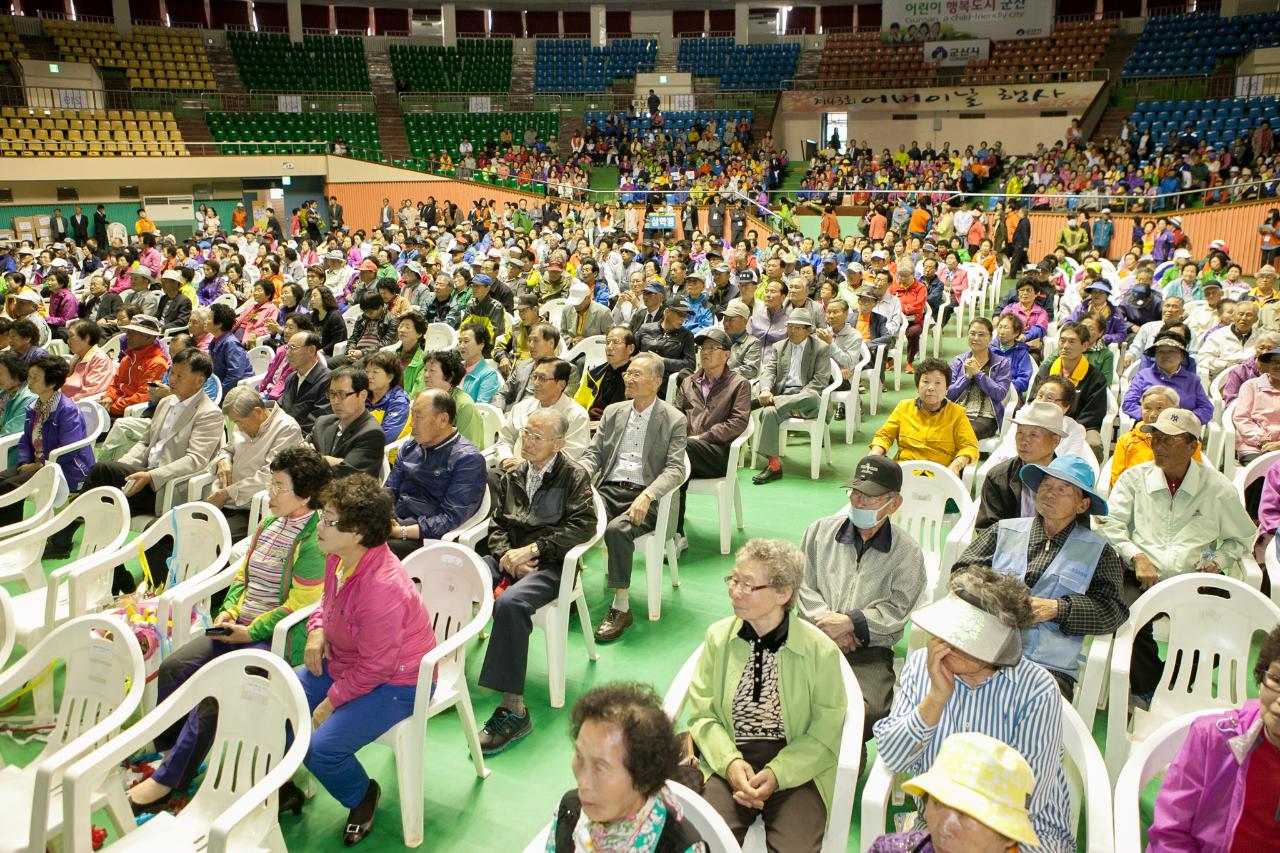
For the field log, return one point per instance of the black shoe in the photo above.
(768, 475)
(153, 807)
(615, 622)
(360, 820)
(291, 799)
(502, 729)
(55, 551)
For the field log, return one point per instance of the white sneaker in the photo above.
(682, 544)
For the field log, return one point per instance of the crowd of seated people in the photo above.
(696, 340)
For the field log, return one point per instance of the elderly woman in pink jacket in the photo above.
(1219, 794)
(364, 645)
(91, 369)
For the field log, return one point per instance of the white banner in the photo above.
(913, 21)
(481, 104)
(289, 103)
(958, 52)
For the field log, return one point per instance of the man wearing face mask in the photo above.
(863, 574)
(1074, 238)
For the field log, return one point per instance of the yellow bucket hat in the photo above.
(986, 779)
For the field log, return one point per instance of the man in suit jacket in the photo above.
(174, 309)
(80, 226)
(337, 221)
(184, 434)
(791, 382)
(583, 317)
(544, 342)
(637, 456)
(59, 226)
(100, 227)
(350, 440)
(306, 391)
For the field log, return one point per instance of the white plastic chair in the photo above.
(456, 587)
(8, 630)
(726, 489)
(201, 548)
(1207, 632)
(989, 445)
(1246, 477)
(874, 375)
(815, 427)
(43, 490)
(1229, 463)
(698, 812)
(440, 336)
(926, 488)
(553, 618)
(662, 540)
(260, 359)
(591, 350)
(1146, 761)
(849, 756)
(96, 421)
(102, 689)
(477, 518)
(112, 345)
(104, 512)
(551, 310)
(227, 299)
(1087, 782)
(851, 398)
(352, 314)
(492, 419)
(236, 805)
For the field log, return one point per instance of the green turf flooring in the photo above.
(503, 812)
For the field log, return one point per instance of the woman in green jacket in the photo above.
(282, 572)
(15, 398)
(767, 705)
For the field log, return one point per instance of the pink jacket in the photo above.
(91, 374)
(1257, 415)
(377, 627)
(1203, 791)
(253, 319)
(1269, 505)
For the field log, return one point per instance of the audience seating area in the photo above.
(574, 65)
(270, 62)
(1215, 121)
(740, 67)
(855, 56)
(296, 133)
(1074, 47)
(151, 58)
(475, 65)
(429, 133)
(88, 133)
(11, 47)
(674, 121)
(1182, 45)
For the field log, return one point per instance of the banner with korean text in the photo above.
(1015, 98)
(916, 21)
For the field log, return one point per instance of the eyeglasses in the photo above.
(742, 586)
(273, 489)
(326, 521)
(341, 395)
(1271, 681)
(528, 434)
(541, 377)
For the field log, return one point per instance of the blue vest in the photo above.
(1069, 574)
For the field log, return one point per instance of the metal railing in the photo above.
(929, 79)
(457, 102)
(1141, 89)
(138, 147)
(180, 103)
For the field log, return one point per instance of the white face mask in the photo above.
(864, 519)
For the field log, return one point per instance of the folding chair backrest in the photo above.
(926, 488)
(454, 583)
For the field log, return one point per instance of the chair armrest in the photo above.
(252, 381)
(280, 635)
(473, 536)
(137, 410)
(175, 604)
(168, 489)
(875, 804)
(1089, 689)
(1251, 572)
(198, 484)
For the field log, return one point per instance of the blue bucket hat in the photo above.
(1069, 469)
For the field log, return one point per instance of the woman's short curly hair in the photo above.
(1003, 596)
(783, 562)
(652, 749)
(363, 507)
(1267, 655)
(308, 472)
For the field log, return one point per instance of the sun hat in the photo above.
(737, 308)
(801, 317)
(1038, 413)
(985, 779)
(1069, 469)
(961, 623)
(145, 324)
(1166, 341)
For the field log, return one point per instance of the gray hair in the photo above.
(559, 423)
(203, 314)
(650, 362)
(783, 562)
(1171, 395)
(1003, 596)
(1273, 337)
(241, 401)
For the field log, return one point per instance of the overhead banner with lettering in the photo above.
(915, 21)
(1019, 98)
(957, 52)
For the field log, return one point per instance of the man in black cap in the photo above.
(863, 575)
(650, 311)
(791, 386)
(717, 403)
(670, 339)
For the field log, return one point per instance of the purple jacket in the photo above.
(64, 426)
(1191, 392)
(1202, 794)
(1269, 506)
(994, 382)
(376, 626)
(1237, 376)
(63, 308)
(1117, 326)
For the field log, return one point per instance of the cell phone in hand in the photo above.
(218, 631)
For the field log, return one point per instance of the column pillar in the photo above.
(449, 24)
(599, 27)
(817, 21)
(1230, 8)
(294, 10)
(740, 23)
(124, 18)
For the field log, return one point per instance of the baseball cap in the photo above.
(1038, 413)
(481, 280)
(1175, 422)
(677, 303)
(720, 336)
(29, 296)
(748, 276)
(368, 265)
(855, 267)
(526, 300)
(142, 272)
(557, 266)
(875, 476)
(172, 275)
(578, 292)
(720, 268)
(334, 255)
(653, 285)
(1182, 253)
(828, 257)
(737, 308)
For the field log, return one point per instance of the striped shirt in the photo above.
(1019, 705)
(266, 566)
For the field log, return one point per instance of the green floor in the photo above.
(505, 811)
